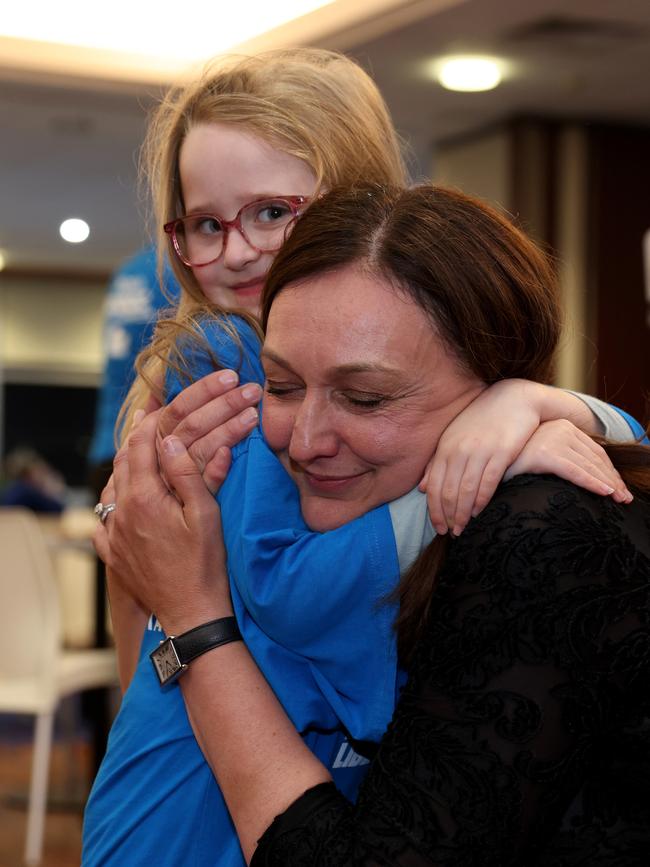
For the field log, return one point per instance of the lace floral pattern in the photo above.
(523, 734)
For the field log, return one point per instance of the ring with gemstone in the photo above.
(103, 511)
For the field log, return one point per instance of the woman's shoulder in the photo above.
(529, 500)
(546, 569)
(545, 524)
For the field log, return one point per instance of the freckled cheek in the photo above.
(401, 450)
(377, 445)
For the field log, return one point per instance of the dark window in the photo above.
(57, 421)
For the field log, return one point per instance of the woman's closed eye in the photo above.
(358, 400)
(364, 400)
(282, 389)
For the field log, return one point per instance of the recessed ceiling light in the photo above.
(74, 231)
(469, 74)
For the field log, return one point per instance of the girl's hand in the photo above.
(474, 451)
(165, 547)
(560, 448)
(485, 439)
(210, 414)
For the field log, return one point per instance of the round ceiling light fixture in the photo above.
(74, 231)
(469, 74)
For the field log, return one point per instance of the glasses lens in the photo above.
(199, 238)
(264, 223)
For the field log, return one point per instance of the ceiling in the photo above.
(69, 142)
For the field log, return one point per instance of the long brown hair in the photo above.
(490, 293)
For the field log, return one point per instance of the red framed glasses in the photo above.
(200, 239)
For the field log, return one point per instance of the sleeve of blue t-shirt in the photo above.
(616, 424)
(638, 431)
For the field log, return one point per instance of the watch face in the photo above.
(166, 662)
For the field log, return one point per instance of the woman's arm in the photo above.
(177, 569)
(129, 620)
(128, 616)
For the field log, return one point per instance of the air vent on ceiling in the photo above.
(582, 30)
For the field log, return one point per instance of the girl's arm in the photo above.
(128, 617)
(312, 606)
(484, 440)
(472, 456)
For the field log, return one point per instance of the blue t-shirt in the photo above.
(312, 611)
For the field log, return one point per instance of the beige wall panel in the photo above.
(50, 326)
(577, 350)
(480, 166)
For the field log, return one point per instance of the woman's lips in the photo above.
(330, 484)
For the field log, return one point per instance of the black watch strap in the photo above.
(202, 638)
(172, 656)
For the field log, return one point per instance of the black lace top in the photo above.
(523, 734)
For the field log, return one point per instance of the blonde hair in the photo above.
(316, 105)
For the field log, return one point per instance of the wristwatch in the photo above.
(172, 656)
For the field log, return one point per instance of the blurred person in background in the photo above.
(134, 299)
(30, 481)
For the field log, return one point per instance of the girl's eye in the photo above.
(205, 226)
(272, 212)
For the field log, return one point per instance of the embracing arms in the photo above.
(260, 762)
(212, 413)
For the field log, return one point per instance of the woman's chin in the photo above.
(322, 514)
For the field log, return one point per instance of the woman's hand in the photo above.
(165, 548)
(490, 434)
(210, 414)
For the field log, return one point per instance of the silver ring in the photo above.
(103, 511)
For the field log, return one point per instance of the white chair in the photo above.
(35, 672)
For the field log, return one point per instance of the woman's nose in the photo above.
(314, 434)
(237, 251)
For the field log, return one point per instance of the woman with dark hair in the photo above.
(521, 736)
